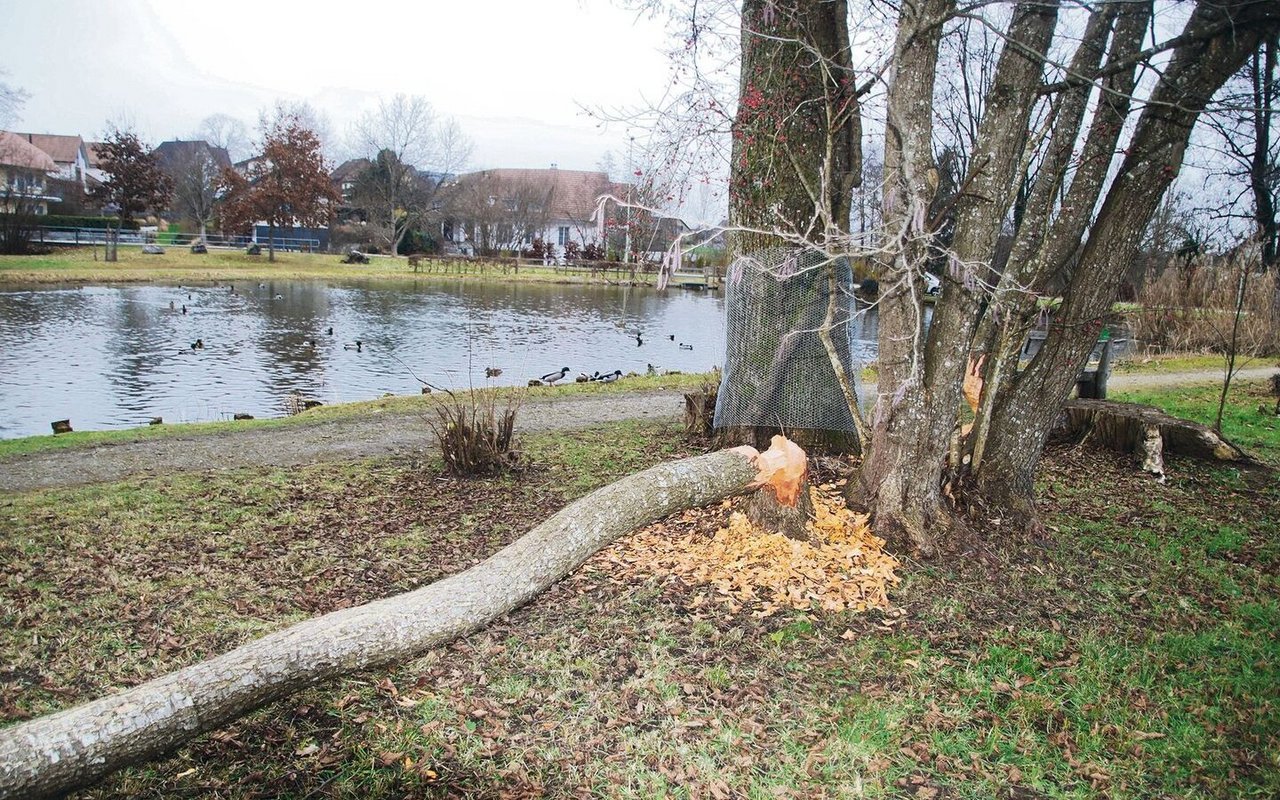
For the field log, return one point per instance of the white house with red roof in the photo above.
(507, 209)
(25, 170)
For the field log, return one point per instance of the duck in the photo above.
(198, 344)
(184, 308)
(311, 342)
(584, 378)
(639, 341)
(492, 372)
(684, 346)
(651, 370)
(551, 377)
(278, 297)
(610, 377)
(353, 345)
(171, 305)
(329, 332)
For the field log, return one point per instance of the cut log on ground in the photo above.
(1145, 431)
(79, 746)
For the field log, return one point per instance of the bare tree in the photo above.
(227, 132)
(12, 99)
(1246, 150)
(500, 212)
(1040, 152)
(412, 150)
(196, 174)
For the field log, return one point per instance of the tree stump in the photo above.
(700, 412)
(1145, 431)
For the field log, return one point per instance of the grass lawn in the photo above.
(400, 405)
(179, 264)
(1133, 654)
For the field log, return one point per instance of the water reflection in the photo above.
(113, 356)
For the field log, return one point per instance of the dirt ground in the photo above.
(384, 434)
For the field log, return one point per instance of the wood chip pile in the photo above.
(743, 567)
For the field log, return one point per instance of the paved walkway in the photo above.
(381, 434)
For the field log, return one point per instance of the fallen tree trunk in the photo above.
(1145, 431)
(79, 746)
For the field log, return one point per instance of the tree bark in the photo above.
(901, 483)
(796, 157)
(75, 748)
(1029, 405)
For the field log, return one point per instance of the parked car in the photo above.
(931, 284)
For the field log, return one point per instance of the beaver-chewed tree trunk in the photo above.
(768, 513)
(75, 748)
(1145, 431)
(796, 158)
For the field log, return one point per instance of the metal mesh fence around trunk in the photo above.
(777, 372)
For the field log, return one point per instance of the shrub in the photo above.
(475, 435)
(539, 249)
(98, 223)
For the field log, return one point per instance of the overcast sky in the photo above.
(515, 73)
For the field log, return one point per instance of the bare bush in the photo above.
(1191, 307)
(476, 433)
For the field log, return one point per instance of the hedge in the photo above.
(65, 221)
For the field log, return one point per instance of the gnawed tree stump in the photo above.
(700, 412)
(1145, 431)
(75, 748)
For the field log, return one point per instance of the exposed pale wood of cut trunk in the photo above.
(77, 747)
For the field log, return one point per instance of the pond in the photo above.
(117, 355)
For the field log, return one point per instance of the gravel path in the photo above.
(376, 435)
(350, 438)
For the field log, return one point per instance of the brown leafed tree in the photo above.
(134, 181)
(287, 185)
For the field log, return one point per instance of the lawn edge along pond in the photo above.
(178, 265)
(1133, 653)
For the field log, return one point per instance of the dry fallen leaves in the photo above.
(847, 568)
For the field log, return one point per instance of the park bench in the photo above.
(1091, 383)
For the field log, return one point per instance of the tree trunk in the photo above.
(1028, 405)
(796, 158)
(77, 747)
(1126, 427)
(921, 374)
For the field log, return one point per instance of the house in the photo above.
(25, 171)
(95, 175)
(173, 156)
(346, 175)
(69, 152)
(507, 209)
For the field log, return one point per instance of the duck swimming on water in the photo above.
(551, 377)
(353, 346)
(684, 346)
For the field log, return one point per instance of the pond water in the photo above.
(117, 355)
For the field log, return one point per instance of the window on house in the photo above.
(564, 235)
